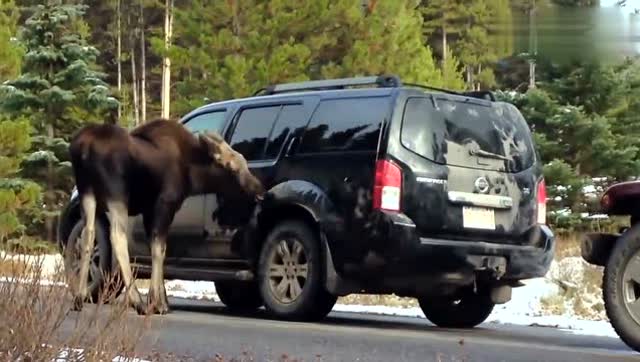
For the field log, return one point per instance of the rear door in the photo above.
(187, 229)
(471, 168)
(261, 133)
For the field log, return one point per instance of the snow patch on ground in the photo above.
(49, 264)
(77, 354)
(565, 279)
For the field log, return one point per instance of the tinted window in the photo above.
(252, 131)
(212, 121)
(492, 136)
(346, 125)
(291, 118)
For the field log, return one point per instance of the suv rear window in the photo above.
(469, 134)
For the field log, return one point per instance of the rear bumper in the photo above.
(508, 261)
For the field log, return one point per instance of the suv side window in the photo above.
(291, 118)
(211, 121)
(252, 131)
(351, 124)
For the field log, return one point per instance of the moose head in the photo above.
(232, 161)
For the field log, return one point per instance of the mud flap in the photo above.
(333, 282)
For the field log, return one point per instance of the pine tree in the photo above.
(375, 49)
(444, 18)
(10, 50)
(228, 49)
(451, 76)
(16, 194)
(58, 90)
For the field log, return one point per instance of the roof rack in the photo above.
(381, 81)
(487, 95)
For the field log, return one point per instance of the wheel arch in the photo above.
(301, 201)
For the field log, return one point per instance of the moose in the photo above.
(149, 170)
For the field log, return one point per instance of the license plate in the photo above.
(478, 218)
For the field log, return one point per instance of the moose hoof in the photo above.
(140, 309)
(158, 306)
(159, 309)
(78, 303)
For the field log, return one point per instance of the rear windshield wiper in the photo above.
(486, 154)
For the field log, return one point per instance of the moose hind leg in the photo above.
(87, 241)
(118, 215)
(157, 295)
(163, 215)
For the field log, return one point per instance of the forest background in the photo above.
(64, 64)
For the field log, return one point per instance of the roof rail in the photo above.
(382, 81)
(487, 95)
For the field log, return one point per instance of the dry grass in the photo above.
(568, 246)
(37, 323)
(13, 267)
(390, 300)
(580, 289)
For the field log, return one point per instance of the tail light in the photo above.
(387, 186)
(542, 202)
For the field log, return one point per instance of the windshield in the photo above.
(468, 133)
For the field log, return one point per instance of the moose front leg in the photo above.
(162, 218)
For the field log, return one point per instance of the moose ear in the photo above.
(214, 137)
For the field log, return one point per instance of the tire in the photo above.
(467, 312)
(624, 254)
(101, 265)
(309, 302)
(239, 296)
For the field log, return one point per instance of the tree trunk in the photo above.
(134, 86)
(166, 61)
(119, 55)
(532, 74)
(444, 51)
(49, 199)
(143, 66)
(533, 45)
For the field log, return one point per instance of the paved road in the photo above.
(203, 329)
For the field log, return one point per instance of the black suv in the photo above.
(374, 187)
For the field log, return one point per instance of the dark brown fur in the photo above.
(151, 170)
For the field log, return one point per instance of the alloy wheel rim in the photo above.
(94, 262)
(288, 270)
(631, 287)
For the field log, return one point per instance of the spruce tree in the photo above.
(226, 49)
(16, 194)
(58, 90)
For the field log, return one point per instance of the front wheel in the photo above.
(290, 274)
(621, 287)
(467, 311)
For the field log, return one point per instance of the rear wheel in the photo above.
(290, 274)
(100, 262)
(239, 296)
(621, 287)
(466, 311)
